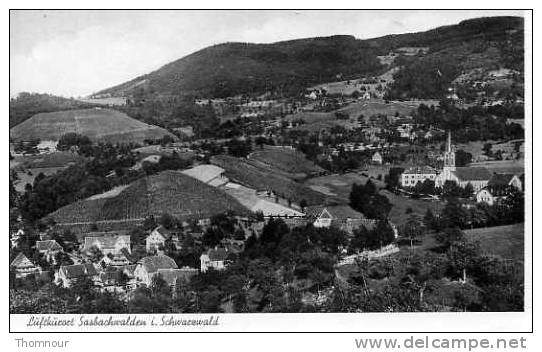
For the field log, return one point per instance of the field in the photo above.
(100, 125)
(340, 186)
(503, 166)
(316, 121)
(261, 179)
(51, 160)
(475, 148)
(169, 191)
(119, 101)
(504, 241)
(289, 161)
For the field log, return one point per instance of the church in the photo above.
(478, 177)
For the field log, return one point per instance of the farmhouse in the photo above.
(377, 158)
(148, 267)
(22, 266)
(216, 258)
(341, 216)
(48, 248)
(491, 195)
(110, 243)
(68, 274)
(505, 180)
(158, 237)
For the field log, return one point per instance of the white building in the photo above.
(411, 176)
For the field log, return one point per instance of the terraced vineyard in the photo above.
(292, 162)
(169, 191)
(261, 179)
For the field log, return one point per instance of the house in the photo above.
(377, 158)
(68, 274)
(109, 243)
(505, 180)
(176, 277)
(216, 258)
(340, 216)
(49, 248)
(156, 240)
(148, 267)
(22, 266)
(15, 237)
(411, 176)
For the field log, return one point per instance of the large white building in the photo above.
(411, 176)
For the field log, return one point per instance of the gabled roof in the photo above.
(220, 254)
(152, 263)
(48, 245)
(341, 211)
(171, 276)
(21, 261)
(78, 270)
(500, 179)
(472, 173)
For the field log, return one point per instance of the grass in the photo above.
(52, 160)
(504, 241)
(102, 125)
(293, 162)
(340, 186)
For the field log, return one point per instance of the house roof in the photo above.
(420, 170)
(171, 276)
(106, 241)
(81, 236)
(48, 245)
(21, 261)
(152, 263)
(500, 179)
(341, 211)
(472, 173)
(204, 173)
(220, 254)
(78, 270)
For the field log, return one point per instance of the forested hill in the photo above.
(233, 68)
(288, 67)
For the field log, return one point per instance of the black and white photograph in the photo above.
(172, 168)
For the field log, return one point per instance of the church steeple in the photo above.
(449, 155)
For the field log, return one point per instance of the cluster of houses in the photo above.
(118, 269)
(487, 186)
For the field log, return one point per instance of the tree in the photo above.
(393, 178)
(94, 254)
(167, 220)
(384, 233)
(462, 158)
(449, 236)
(412, 229)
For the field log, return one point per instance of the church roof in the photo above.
(472, 174)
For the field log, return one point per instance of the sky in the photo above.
(76, 53)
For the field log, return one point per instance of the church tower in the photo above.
(449, 155)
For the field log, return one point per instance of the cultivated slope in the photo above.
(97, 124)
(167, 192)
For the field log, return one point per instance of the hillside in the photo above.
(167, 192)
(288, 67)
(97, 124)
(263, 178)
(26, 105)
